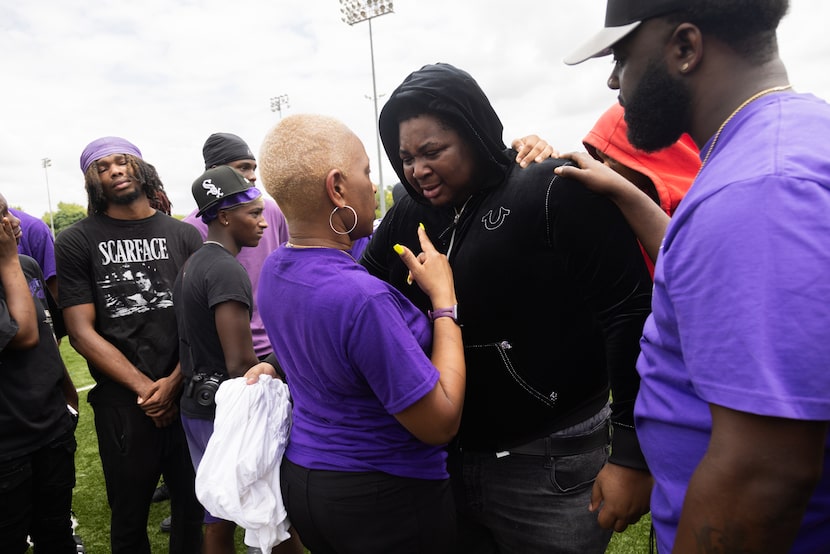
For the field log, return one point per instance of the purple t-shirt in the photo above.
(740, 308)
(37, 241)
(354, 352)
(252, 259)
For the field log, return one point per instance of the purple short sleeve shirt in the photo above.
(354, 351)
(741, 305)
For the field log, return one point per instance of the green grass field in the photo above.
(90, 498)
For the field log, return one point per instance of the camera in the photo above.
(203, 387)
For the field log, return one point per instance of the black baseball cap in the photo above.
(622, 17)
(216, 184)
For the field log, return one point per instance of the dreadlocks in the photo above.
(161, 202)
(144, 172)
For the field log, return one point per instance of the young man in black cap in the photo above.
(213, 309)
(733, 406)
(228, 149)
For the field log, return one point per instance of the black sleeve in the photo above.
(375, 255)
(72, 261)
(604, 259)
(57, 314)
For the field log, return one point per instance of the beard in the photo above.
(658, 111)
(124, 199)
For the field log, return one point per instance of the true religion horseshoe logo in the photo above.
(492, 220)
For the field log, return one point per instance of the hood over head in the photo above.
(671, 169)
(453, 96)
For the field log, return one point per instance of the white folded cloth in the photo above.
(239, 476)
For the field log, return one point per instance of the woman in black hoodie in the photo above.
(552, 296)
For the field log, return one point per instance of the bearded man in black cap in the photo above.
(733, 407)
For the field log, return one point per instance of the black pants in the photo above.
(369, 512)
(134, 454)
(36, 499)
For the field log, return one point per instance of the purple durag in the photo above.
(229, 201)
(103, 147)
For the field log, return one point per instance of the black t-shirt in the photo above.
(126, 268)
(32, 405)
(211, 276)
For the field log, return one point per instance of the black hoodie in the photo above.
(551, 285)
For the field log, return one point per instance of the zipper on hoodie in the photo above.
(453, 226)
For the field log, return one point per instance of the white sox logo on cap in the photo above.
(211, 189)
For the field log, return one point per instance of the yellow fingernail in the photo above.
(421, 225)
(409, 279)
(398, 249)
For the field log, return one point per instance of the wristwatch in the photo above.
(452, 312)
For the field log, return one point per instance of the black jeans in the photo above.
(531, 504)
(36, 498)
(338, 512)
(134, 454)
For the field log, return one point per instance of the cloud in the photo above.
(165, 74)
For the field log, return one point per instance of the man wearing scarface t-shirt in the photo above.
(104, 262)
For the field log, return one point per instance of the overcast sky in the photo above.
(165, 74)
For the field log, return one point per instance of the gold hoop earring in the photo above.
(331, 223)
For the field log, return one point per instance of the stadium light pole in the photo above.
(356, 11)
(277, 102)
(46, 162)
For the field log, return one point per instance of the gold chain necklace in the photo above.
(745, 103)
(290, 244)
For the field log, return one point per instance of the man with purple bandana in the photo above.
(734, 402)
(131, 349)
